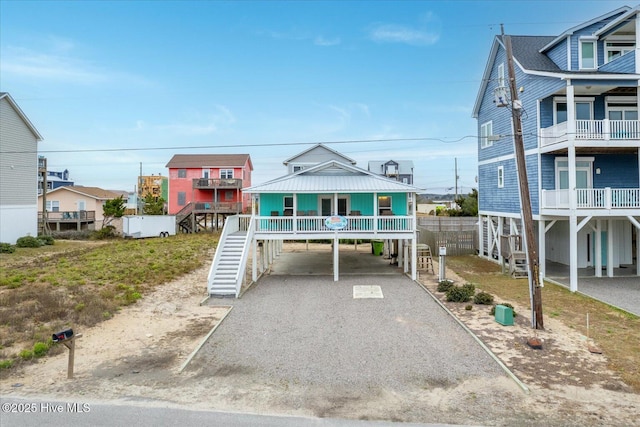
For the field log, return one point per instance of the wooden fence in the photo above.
(458, 234)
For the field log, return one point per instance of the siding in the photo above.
(616, 171)
(558, 54)
(506, 199)
(588, 31)
(18, 170)
(624, 64)
(357, 201)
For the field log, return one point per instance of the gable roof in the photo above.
(187, 161)
(404, 166)
(319, 147)
(330, 177)
(572, 30)
(93, 192)
(25, 119)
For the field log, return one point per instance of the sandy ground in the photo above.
(137, 355)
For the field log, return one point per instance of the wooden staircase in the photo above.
(518, 266)
(183, 219)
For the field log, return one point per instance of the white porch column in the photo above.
(480, 236)
(542, 249)
(637, 251)
(610, 248)
(598, 249)
(254, 260)
(571, 112)
(375, 212)
(500, 233)
(414, 256)
(335, 257)
(335, 204)
(573, 252)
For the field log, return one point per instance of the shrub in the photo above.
(104, 233)
(26, 354)
(6, 364)
(483, 298)
(72, 234)
(7, 248)
(40, 349)
(444, 285)
(46, 240)
(468, 307)
(28, 242)
(493, 309)
(460, 293)
(470, 288)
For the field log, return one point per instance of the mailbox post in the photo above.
(442, 252)
(68, 339)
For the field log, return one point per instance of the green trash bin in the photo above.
(377, 247)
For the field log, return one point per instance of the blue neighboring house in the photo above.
(579, 94)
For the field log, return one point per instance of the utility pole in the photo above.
(537, 321)
(456, 167)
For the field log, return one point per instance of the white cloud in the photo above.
(321, 41)
(391, 33)
(194, 123)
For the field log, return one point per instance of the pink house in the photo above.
(206, 187)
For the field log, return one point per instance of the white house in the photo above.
(18, 172)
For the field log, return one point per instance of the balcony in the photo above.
(216, 183)
(593, 199)
(621, 131)
(315, 226)
(220, 207)
(69, 216)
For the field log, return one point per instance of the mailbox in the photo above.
(62, 335)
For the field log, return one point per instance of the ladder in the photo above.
(425, 260)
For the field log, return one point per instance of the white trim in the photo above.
(499, 214)
(486, 130)
(500, 176)
(501, 79)
(584, 41)
(569, 53)
(531, 152)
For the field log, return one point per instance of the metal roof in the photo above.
(187, 161)
(332, 177)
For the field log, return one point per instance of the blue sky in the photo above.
(111, 84)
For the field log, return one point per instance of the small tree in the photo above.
(113, 208)
(153, 205)
(468, 205)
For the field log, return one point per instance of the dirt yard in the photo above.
(137, 355)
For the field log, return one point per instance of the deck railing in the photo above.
(69, 216)
(593, 198)
(211, 183)
(316, 224)
(592, 130)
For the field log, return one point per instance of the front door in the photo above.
(326, 205)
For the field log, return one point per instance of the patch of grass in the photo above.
(6, 363)
(83, 283)
(615, 331)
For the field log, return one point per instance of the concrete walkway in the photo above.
(622, 291)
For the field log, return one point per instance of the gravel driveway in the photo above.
(310, 330)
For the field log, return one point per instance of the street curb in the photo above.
(204, 340)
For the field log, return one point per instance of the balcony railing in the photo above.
(593, 198)
(592, 130)
(69, 216)
(220, 207)
(213, 183)
(316, 224)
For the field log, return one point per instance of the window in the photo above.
(53, 206)
(583, 109)
(182, 198)
(501, 80)
(615, 49)
(288, 205)
(182, 173)
(587, 54)
(226, 173)
(486, 130)
(384, 205)
(297, 168)
(500, 176)
(228, 195)
(205, 173)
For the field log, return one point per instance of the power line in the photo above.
(356, 141)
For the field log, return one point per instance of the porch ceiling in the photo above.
(597, 150)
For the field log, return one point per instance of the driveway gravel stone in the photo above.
(309, 330)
